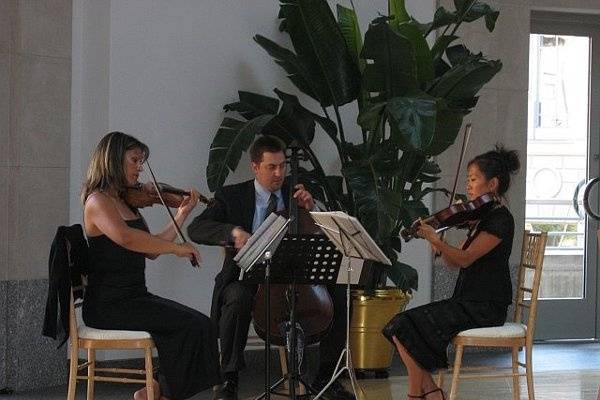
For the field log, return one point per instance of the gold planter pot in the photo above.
(370, 349)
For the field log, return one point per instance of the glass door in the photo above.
(562, 154)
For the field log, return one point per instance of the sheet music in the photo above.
(266, 238)
(255, 236)
(349, 236)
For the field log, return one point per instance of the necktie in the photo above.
(272, 206)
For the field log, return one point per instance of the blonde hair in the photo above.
(105, 171)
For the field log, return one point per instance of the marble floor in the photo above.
(569, 371)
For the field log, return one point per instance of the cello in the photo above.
(312, 304)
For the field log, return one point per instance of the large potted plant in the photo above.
(411, 98)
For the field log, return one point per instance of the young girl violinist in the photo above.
(116, 296)
(483, 290)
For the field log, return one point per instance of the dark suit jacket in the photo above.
(234, 206)
(68, 260)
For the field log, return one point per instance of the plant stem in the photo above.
(343, 158)
(342, 136)
(333, 138)
(446, 30)
(460, 21)
(319, 170)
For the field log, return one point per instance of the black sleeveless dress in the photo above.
(117, 298)
(481, 297)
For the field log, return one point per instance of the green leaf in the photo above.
(356, 152)
(251, 105)
(393, 70)
(413, 210)
(441, 44)
(412, 162)
(232, 138)
(370, 117)
(348, 22)
(441, 67)
(458, 54)
(423, 28)
(441, 18)
(422, 54)
(413, 120)
(428, 178)
(397, 9)
(336, 182)
(319, 186)
(404, 276)
(462, 5)
(378, 207)
(298, 72)
(448, 123)
(464, 80)
(298, 122)
(490, 20)
(319, 43)
(396, 243)
(431, 167)
(479, 10)
(292, 121)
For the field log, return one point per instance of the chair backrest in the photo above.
(528, 279)
(72, 320)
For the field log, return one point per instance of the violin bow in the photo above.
(466, 136)
(177, 228)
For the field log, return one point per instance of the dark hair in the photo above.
(498, 163)
(106, 165)
(266, 143)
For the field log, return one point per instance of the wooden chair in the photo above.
(515, 335)
(91, 339)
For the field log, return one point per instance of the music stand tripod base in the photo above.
(346, 353)
(354, 242)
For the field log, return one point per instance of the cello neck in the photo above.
(293, 205)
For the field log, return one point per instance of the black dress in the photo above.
(481, 297)
(117, 298)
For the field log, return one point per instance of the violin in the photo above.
(457, 215)
(144, 195)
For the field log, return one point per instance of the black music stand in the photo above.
(315, 260)
(353, 241)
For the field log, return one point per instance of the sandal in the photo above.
(435, 391)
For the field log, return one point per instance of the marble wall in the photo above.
(35, 101)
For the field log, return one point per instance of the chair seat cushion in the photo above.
(508, 330)
(85, 332)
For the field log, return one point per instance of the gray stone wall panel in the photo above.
(32, 360)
